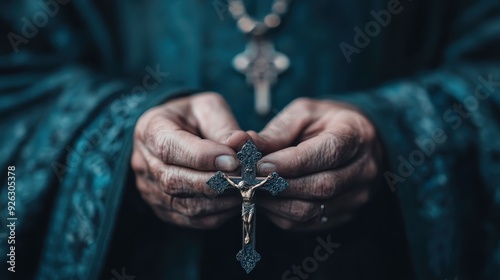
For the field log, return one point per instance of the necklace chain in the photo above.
(249, 25)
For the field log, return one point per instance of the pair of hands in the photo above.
(327, 151)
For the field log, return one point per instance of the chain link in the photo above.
(249, 25)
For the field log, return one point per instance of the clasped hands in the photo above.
(327, 151)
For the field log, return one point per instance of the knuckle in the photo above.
(143, 189)
(366, 130)
(371, 169)
(340, 147)
(170, 182)
(341, 141)
(189, 207)
(148, 136)
(193, 158)
(332, 141)
(161, 145)
(301, 211)
(370, 134)
(148, 123)
(143, 123)
(325, 187)
(353, 140)
(139, 130)
(179, 205)
(199, 207)
(308, 212)
(157, 173)
(137, 163)
(331, 151)
(157, 135)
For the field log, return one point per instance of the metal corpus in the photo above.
(247, 184)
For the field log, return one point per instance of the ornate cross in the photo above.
(261, 64)
(247, 185)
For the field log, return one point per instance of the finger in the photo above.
(284, 129)
(299, 211)
(326, 151)
(216, 122)
(287, 224)
(307, 214)
(328, 184)
(208, 222)
(199, 207)
(193, 207)
(305, 210)
(174, 145)
(177, 180)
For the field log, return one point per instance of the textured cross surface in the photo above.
(247, 184)
(261, 64)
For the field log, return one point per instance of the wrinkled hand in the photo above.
(177, 147)
(329, 154)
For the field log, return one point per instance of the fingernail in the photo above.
(226, 163)
(267, 168)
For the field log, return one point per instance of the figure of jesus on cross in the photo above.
(248, 206)
(247, 185)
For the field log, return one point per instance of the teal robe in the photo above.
(72, 85)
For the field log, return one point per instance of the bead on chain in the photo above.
(248, 24)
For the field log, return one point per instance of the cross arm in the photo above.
(220, 182)
(274, 184)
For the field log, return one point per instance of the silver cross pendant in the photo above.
(247, 184)
(261, 64)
